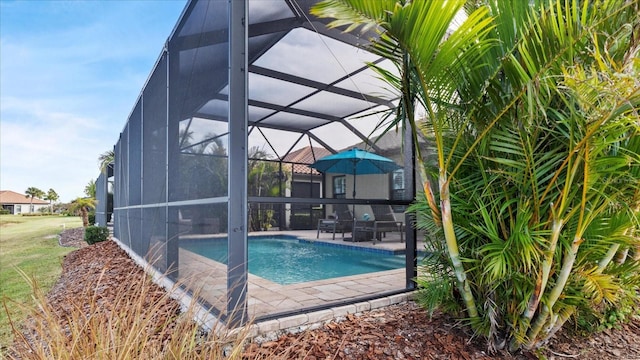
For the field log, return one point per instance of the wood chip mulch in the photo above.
(402, 331)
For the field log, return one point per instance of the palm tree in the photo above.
(431, 61)
(52, 196)
(208, 156)
(90, 189)
(31, 193)
(83, 206)
(106, 158)
(263, 179)
(534, 120)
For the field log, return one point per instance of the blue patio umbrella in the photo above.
(356, 162)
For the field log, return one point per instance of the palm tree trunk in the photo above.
(85, 217)
(561, 282)
(621, 256)
(431, 200)
(543, 279)
(546, 269)
(559, 323)
(613, 250)
(452, 248)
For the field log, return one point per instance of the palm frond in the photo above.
(599, 286)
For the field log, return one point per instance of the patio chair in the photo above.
(385, 221)
(340, 221)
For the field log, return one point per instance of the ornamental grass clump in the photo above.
(134, 320)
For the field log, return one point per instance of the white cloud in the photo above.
(71, 72)
(49, 149)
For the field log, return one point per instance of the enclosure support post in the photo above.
(173, 162)
(237, 264)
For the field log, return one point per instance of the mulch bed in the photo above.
(73, 238)
(402, 331)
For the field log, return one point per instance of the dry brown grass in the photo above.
(142, 322)
(116, 316)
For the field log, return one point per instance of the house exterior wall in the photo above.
(36, 207)
(18, 203)
(17, 209)
(311, 211)
(372, 186)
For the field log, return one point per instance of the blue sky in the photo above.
(70, 73)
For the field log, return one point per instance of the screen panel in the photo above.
(154, 132)
(135, 155)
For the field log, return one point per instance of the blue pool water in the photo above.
(290, 260)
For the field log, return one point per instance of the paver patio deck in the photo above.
(268, 299)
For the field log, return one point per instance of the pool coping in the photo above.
(269, 330)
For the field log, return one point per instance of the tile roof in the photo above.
(12, 197)
(306, 155)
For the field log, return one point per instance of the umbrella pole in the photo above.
(353, 207)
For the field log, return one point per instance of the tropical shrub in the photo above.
(533, 108)
(95, 234)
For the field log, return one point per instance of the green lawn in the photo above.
(28, 244)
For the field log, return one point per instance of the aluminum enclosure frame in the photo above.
(218, 85)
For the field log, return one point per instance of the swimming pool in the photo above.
(289, 260)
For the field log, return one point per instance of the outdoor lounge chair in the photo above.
(340, 221)
(385, 221)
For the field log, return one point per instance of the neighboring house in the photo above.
(305, 183)
(18, 203)
(376, 186)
